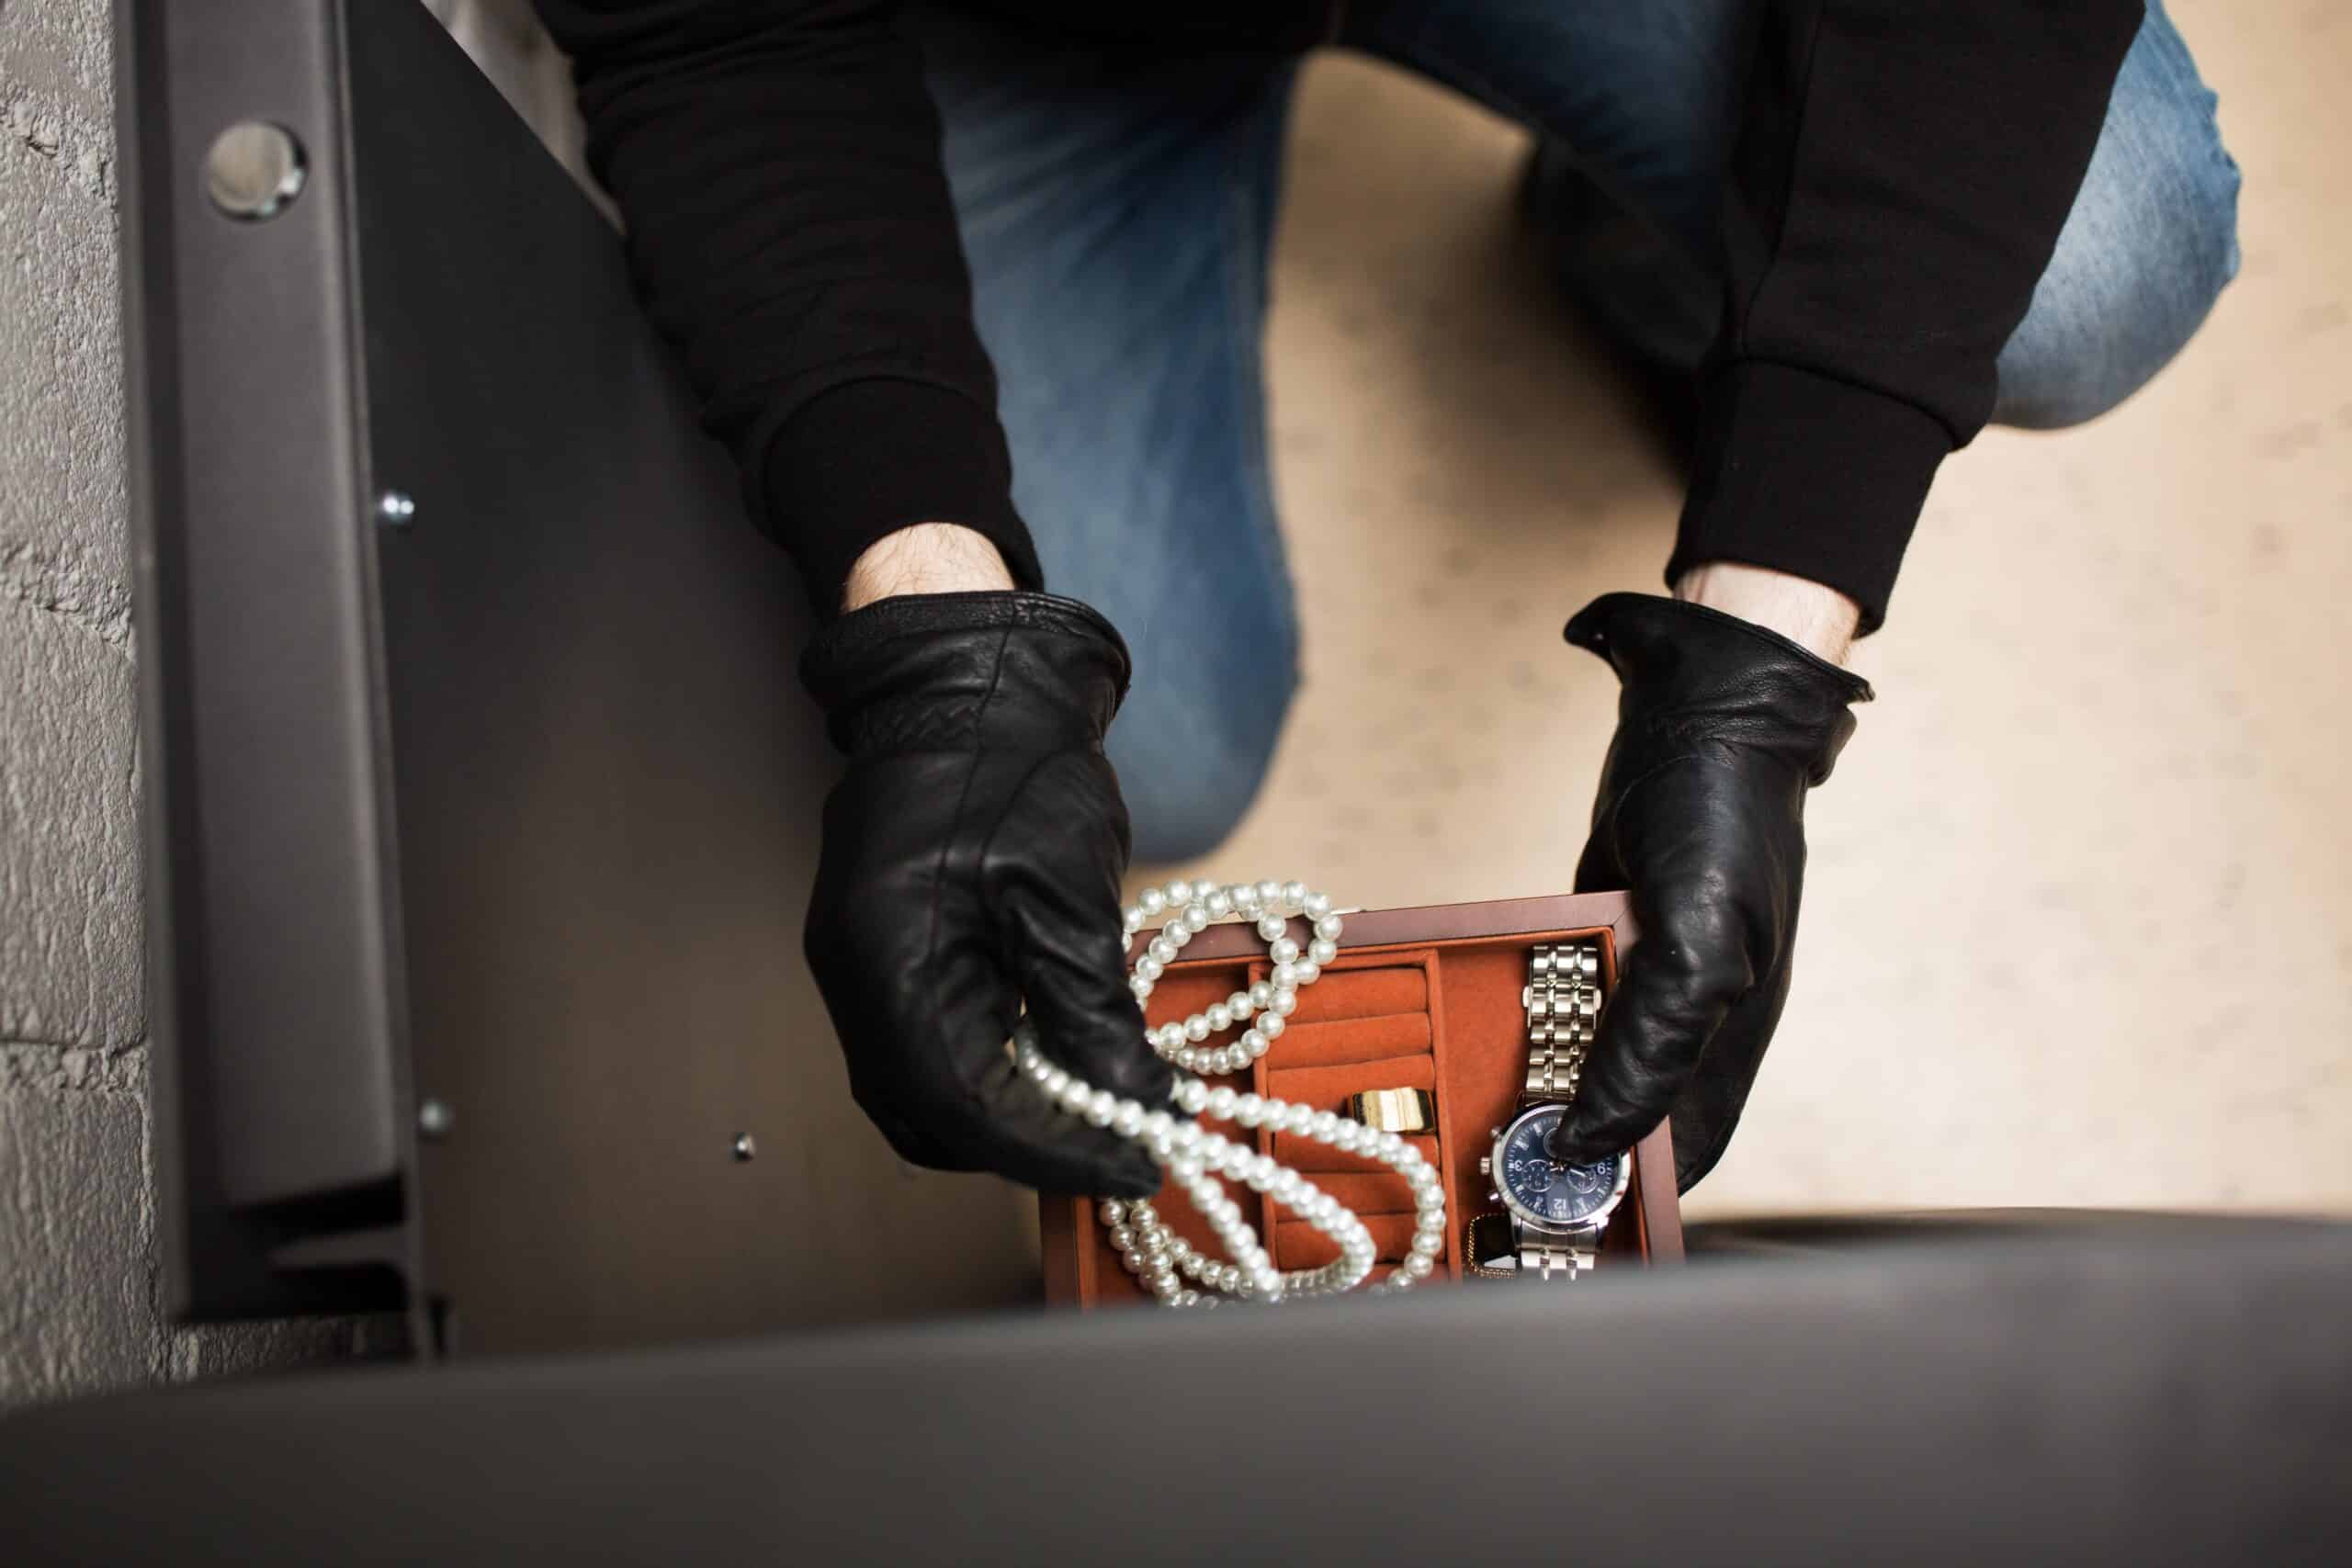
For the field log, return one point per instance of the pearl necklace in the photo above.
(1195, 1158)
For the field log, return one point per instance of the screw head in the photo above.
(395, 509)
(253, 170)
(744, 1147)
(434, 1119)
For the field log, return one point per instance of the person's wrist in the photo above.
(926, 558)
(1814, 616)
(967, 668)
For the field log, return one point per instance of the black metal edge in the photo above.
(2116, 1395)
(400, 1235)
(227, 1204)
(405, 1236)
(173, 987)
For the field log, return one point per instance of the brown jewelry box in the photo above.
(1425, 998)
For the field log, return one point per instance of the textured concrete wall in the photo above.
(78, 1282)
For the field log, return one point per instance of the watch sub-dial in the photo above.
(1533, 1177)
(1590, 1177)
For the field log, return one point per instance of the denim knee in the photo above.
(1192, 743)
(2150, 244)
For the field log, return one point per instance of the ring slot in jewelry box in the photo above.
(1427, 998)
(1335, 1041)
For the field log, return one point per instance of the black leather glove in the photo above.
(1721, 730)
(971, 862)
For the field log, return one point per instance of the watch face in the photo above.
(1541, 1189)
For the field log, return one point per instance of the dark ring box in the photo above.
(1426, 998)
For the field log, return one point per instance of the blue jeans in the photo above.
(1117, 205)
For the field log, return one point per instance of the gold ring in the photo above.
(1395, 1109)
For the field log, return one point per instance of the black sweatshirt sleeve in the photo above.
(776, 164)
(1903, 172)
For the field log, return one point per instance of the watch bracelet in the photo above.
(1561, 999)
(1491, 1235)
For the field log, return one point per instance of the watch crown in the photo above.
(1486, 1165)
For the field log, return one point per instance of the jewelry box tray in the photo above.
(1427, 998)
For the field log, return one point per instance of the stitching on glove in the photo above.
(947, 840)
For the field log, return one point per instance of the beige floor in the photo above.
(2080, 925)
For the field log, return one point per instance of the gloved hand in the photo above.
(971, 862)
(1721, 727)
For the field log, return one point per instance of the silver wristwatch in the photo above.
(1557, 1212)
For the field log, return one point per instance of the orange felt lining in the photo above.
(1367, 1194)
(1367, 992)
(1349, 990)
(1308, 1157)
(1464, 992)
(1298, 1244)
(1328, 1087)
(1337, 1040)
(1182, 992)
(1354, 989)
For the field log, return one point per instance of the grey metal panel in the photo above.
(275, 985)
(2087, 1398)
(608, 782)
(513, 808)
